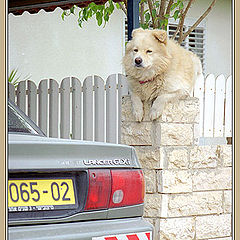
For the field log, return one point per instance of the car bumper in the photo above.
(81, 230)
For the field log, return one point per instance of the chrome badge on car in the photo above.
(107, 162)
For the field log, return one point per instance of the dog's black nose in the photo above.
(138, 60)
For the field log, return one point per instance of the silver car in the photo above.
(69, 189)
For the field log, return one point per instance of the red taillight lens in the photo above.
(127, 188)
(99, 189)
(114, 188)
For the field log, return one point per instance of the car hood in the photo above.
(28, 152)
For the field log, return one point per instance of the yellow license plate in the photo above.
(40, 192)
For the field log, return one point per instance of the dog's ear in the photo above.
(160, 35)
(136, 31)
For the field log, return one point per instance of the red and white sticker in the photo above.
(128, 236)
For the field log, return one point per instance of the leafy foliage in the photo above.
(101, 12)
(153, 14)
(15, 79)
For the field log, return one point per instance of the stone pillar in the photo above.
(188, 187)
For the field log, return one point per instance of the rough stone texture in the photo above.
(134, 133)
(227, 201)
(177, 229)
(174, 181)
(194, 204)
(149, 157)
(152, 205)
(182, 111)
(178, 158)
(204, 157)
(212, 179)
(150, 181)
(173, 134)
(213, 226)
(226, 155)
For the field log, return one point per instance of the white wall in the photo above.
(44, 46)
(218, 50)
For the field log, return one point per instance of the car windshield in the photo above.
(18, 123)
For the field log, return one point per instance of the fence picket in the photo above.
(11, 92)
(76, 108)
(98, 116)
(43, 105)
(21, 95)
(111, 110)
(32, 100)
(53, 108)
(122, 90)
(65, 108)
(199, 93)
(228, 108)
(209, 106)
(219, 109)
(88, 109)
(99, 109)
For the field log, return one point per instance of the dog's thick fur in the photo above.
(158, 70)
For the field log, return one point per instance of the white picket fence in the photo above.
(91, 110)
(88, 111)
(215, 95)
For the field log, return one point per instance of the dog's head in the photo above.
(147, 52)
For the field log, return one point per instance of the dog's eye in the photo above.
(135, 50)
(149, 51)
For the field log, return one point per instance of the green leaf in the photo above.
(118, 6)
(72, 10)
(166, 15)
(174, 6)
(175, 15)
(147, 17)
(181, 6)
(154, 12)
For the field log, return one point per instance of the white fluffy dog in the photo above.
(158, 70)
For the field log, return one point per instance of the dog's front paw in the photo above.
(155, 113)
(138, 114)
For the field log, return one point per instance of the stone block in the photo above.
(177, 229)
(193, 204)
(149, 157)
(134, 133)
(174, 181)
(182, 111)
(204, 157)
(225, 152)
(174, 134)
(227, 201)
(178, 158)
(213, 226)
(212, 179)
(150, 181)
(152, 205)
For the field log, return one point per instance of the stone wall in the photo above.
(188, 187)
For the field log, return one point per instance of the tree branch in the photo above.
(162, 9)
(150, 5)
(123, 8)
(169, 7)
(182, 19)
(199, 20)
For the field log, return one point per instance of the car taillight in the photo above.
(99, 189)
(114, 188)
